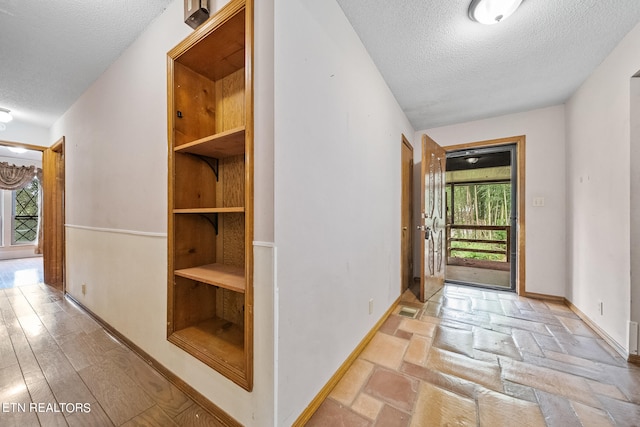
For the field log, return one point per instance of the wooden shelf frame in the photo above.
(221, 47)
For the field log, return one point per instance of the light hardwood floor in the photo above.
(18, 272)
(475, 357)
(52, 352)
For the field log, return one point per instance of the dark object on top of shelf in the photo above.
(195, 12)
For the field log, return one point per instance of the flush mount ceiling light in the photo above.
(5, 115)
(490, 12)
(472, 160)
(18, 150)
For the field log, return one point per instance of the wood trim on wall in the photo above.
(520, 142)
(21, 145)
(306, 415)
(53, 214)
(215, 411)
(545, 297)
(598, 330)
(403, 285)
(249, 192)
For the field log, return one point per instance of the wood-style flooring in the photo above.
(474, 357)
(58, 367)
(22, 271)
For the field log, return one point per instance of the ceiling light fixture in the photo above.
(18, 150)
(490, 12)
(472, 160)
(5, 115)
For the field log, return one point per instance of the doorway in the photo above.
(47, 240)
(20, 214)
(406, 243)
(434, 226)
(516, 148)
(482, 217)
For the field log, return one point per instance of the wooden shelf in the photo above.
(214, 340)
(219, 145)
(209, 210)
(224, 276)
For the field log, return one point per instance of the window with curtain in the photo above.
(25, 210)
(21, 199)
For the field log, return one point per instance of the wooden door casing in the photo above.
(53, 247)
(520, 143)
(406, 231)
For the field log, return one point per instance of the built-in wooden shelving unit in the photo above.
(210, 225)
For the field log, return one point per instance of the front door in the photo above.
(433, 218)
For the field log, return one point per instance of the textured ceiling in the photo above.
(51, 51)
(444, 68)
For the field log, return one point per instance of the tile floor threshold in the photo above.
(477, 357)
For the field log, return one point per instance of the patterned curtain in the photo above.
(14, 177)
(38, 249)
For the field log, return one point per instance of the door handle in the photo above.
(427, 231)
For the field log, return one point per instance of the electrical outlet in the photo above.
(371, 306)
(84, 289)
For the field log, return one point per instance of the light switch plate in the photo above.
(538, 201)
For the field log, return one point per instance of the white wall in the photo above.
(337, 196)
(26, 133)
(264, 396)
(544, 177)
(598, 179)
(116, 175)
(635, 203)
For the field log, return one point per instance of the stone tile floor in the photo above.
(53, 353)
(473, 357)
